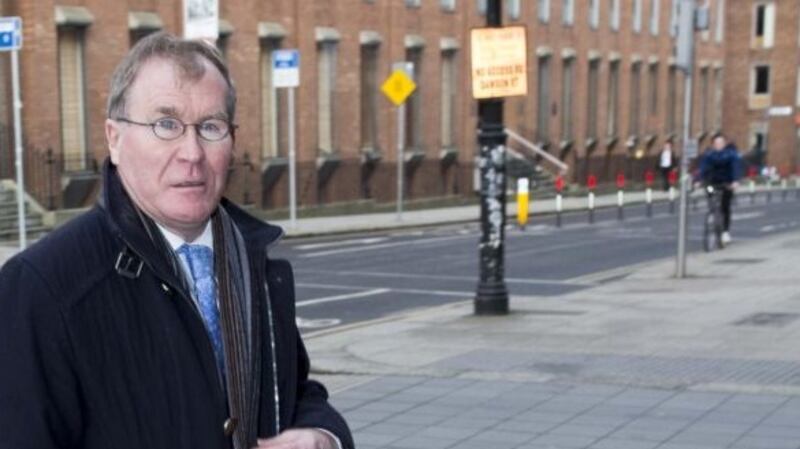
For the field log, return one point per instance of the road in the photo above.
(346, 279)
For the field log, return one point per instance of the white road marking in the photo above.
(414, 291)
(366, 241)
(381, 246)
(304, 323)
(311, 302)
(436, 277)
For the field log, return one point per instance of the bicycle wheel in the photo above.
(708, 232)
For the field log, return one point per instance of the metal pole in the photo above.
(292, 163)
(558, 210)
(687, 35)
(401, 134)
(18, 149)
(492, 295)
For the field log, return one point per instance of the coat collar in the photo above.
(127, 222)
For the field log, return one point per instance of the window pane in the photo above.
(71, 84)
(543, 97)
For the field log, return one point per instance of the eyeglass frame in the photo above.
(231, 127)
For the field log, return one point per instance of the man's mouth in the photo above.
(190, 184)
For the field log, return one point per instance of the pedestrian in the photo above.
(156, 319)
(721, 167)
(666, 162)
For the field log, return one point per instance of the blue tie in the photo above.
(200, 260)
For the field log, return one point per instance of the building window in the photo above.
(543, 100)
(673, 18)
(568, 12)
(448, 5)
(513, 9)
(326, 85)
(614, 13)
(369, 97)
(567, 97)
(72, 99)
(413, 3)
(759, 142)
(594, 14)
(761, 80)
(672, 99)
(593, 86)
(414, 102)
(613, 99)
(272, 103)
(481, 5)
(764, 25)
(637, 16)
(654, 7)
(635, 100)
(760, 87)
(705, 91)
(653, 93)
(449, 88)
(544, 10)
(719, 31)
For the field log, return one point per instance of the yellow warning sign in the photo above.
(499, 62)
(398, 87)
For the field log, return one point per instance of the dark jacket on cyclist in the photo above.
(720, 167)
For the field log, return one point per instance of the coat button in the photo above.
(166, 288)
(229, 426)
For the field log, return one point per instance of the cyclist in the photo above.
(721, 167)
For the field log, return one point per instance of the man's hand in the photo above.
(298, 439)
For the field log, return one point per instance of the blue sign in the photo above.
(10, 33)
(286, 59)
(285, 68)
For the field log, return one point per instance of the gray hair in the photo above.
(187, 56)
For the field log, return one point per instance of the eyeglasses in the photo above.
(170, 128)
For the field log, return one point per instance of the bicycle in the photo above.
(712, 226)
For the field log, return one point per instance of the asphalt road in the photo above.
(345, 279)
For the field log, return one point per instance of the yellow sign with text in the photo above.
(499, 62)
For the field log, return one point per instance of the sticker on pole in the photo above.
(499, 62)
(398, 87)
(286, 68)
(10, 33)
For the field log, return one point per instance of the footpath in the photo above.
(638, 360)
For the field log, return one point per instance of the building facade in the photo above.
(604, 92)
(762, 89)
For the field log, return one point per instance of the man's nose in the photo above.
(191, 145)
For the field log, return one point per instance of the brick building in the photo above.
(604, 92)
(762, 88)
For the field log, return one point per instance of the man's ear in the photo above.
(113, 134)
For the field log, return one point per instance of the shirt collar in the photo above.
(206, 238)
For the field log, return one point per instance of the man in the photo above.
(666, 161)
(720, 166)
(156, 319)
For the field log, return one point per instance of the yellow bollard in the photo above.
(522, 201)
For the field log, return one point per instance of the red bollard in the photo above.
(559, 184)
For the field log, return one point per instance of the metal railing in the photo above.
(560, 165)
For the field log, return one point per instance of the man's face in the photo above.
(719, 143)
(178, 182)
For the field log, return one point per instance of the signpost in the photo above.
(498, 69)
(11, 40)
(397, 87)
(591, 183)
(685, 61)
(286, 74)
(559, 188)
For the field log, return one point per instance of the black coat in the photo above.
(92, 358)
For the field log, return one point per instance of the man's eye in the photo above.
(211, 126)
(168, 124)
